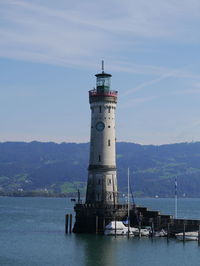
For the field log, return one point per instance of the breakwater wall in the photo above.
(162, 221)
(92, 218)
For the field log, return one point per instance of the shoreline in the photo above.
(42, 194)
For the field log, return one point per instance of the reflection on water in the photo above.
(32, 233)
(121, 251)
(98, 250)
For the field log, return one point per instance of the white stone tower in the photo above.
(102, 180)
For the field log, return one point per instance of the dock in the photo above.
(92, 219)
(162, 221)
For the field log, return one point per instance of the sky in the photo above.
(50, 51)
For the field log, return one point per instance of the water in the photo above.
(32, 233)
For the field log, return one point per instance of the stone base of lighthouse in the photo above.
(102, 186)
(92, 218)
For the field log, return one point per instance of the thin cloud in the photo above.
(188, 91)
(137, 101)
(76, 34)
(189, 131)
(175, 73)
(194, 89)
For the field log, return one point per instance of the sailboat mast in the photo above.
(128, 204)
(128, 193)
(176, 198)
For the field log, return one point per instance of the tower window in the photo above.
(109, 181)
(99, 109)
(109, 109)
(109, 196)
(108, 126)
(109, 142)
(99, 158)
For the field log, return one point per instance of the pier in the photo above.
(92, 219)
(162, 221)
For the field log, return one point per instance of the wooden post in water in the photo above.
(66, 223)
(103, 225)
(139, 229)
(152, 229)
(70, 223)
(128, 228)
(199, 235)
(184, 231)
(97, 220)
(115, 227)
(168, 231)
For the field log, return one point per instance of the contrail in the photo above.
(154, 81)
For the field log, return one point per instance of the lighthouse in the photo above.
(101, 205)
(102, 177)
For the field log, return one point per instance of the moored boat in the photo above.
(118, 228)
(141, 232)
(161, 233)
(189, 236)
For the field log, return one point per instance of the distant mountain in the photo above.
(62, 168)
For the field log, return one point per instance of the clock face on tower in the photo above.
(100, 126)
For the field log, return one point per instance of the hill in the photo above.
(62, 168)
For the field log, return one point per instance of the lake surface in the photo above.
(32, 233)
